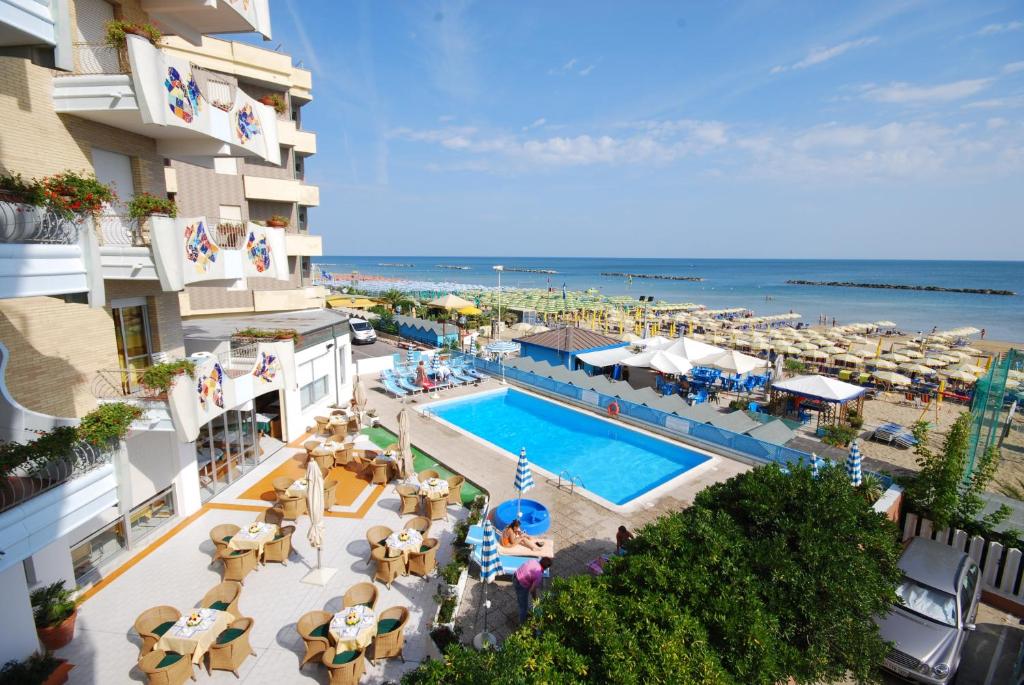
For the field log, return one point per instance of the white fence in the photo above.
(373, 365)
(1001, 567)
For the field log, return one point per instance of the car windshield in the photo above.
(361, 326)
(928, 602)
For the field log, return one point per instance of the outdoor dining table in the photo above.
(434, 488)
(297, 488)
(353, 627)
(253, 536)
(195, 639)
(396, 545)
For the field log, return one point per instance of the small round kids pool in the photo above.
(535, 519)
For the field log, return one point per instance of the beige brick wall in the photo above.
(162, 309)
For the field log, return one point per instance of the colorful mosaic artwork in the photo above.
(210, 388)
(266, 368)
(258, 251)
(182, 96)
(247, 124)
(199, 249)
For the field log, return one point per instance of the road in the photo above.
(377, 349)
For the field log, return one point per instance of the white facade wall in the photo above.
(17, 629)
(313, 362)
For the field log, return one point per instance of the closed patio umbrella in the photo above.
(359, 395)
(405, 443)
(853, 464)
(815, 465)
(315, 507)
(524, 480)
(490, 565)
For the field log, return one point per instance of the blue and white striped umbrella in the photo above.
(490, 564)
(853, 464)
(815, 465)
(410, 355)
(524, 479)
(502, 346)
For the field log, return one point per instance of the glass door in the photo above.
(131, 328)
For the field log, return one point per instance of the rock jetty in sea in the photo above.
(659, 277)
(456, 267)
(898, 286)
(524, 270)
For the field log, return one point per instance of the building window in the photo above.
(304, 265)
(299, 168)
(131, 330)
(100, 547)
(150, 515)
(231, 213)
(302, 219)
(225, 165)
(311, 393)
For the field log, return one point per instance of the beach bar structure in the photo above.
(432, 333)
(562, 346)
(832, 398)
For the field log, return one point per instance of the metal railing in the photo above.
(229, 234)
(119, 229)
(566, 478)
(98, 58)
(33, 479)
(24, 223)
(119, 384)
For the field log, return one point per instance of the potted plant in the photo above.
(276, 101)
(277, 221)
(108, 423)
(54, 610)
(159, 378)
(118, 32)
(72, 194)
(41, 667)
(145, 205)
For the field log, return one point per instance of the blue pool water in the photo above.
(614, 462)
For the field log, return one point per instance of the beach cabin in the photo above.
(432, 333)
(562, 346)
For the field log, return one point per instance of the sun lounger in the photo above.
(547, 550)
(403, 383)
(509, 564)
(393, 388)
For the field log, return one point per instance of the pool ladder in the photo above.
(570, 480)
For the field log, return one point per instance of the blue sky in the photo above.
(703, 129)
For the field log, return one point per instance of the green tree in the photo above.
(766, 576)
(395, 298)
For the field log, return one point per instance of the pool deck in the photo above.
(582, 528)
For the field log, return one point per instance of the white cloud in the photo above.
(537, 123)
(573, 66)
(993, 29)
(906, 93)
(819, 55)
(996, 123)
(997, 103)
(1013, 67)
(585, 71)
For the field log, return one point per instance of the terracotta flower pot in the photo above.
(267, 100)
(60, 674)
(55, 637)
(273, 223)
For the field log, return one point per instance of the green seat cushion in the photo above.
(237, 552)
(219, 606)
(163, 628)
(228, 635)
(387, 625)
(320, 631)
(368, 604)
(170, 658)
(424, 548)
(279, 536)
(227, 538)
(344, 657)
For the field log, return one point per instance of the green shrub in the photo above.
(32, 671)
(32, 457)
(108, 422)
(52, 604)
(794, 365)
(276, 101)
(72, 194)
(855, 420)
(839, 435)
(14, 188)
(118, 32)
(268, 334)
(739, 404)
(160, 377)
(144, 205)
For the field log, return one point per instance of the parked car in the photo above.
(939, 597)
(362, 331)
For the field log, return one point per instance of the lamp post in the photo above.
(499, 268)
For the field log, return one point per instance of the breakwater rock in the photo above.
(455, 267)
(524, 270)
(897, 286)
(659, 277)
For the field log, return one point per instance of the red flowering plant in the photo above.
(146, 204)
(71, 194)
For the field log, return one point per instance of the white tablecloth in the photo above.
(434, 490)
(352, 637)
(412, 544)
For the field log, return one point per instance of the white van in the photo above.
(362, 332)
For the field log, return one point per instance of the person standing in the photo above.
(527, 580)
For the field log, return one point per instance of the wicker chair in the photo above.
(437, 509)
(222, 534)
(381, 474)
(343, 456)
(290, 508)
(281, 485)
(323, 424)
(152, 624)
(324, 459)
(166, 668)
(231, 647)
(410, 500)
(375, 536)
(423, 562)
(388, 568)
(345, 668)
(339, 433)
(360, 594)
(330, 494)
(428, 473)
(310, 445)
(421, 524)
(455, 484)
(280, 548)
(353, 424)
(390, 637)
(313, 628)
(270, 515)
(237, 563)
(223, 597)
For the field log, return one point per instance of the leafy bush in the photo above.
(160, 377)
(32, 671)
(276, 101)
(14, 188)
(443, 636)
(269, 334)
(108, 422)
(870, 488)
(33, 457)
(144, 205)
(118, 31)
(450, 572)
(855, 420)
(52, 604)
(739, 404)
(839, 435)
(794, 365)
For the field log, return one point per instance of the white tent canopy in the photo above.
(821, 388)
(603, 358)
(693, 350)
(735, 362)
(667, 362)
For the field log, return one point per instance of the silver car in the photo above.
(939, 597)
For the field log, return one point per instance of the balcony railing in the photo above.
(229, 234)
(22, 223)
(99, 58)
(121, 384)
(120, 229)
(40, 475)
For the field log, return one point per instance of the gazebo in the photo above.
(831, 397)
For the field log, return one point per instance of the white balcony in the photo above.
(304, 142)
(303, 245)
(148, 91)
(190, 19)
(27, 22)
(270, 189)
(309, 196)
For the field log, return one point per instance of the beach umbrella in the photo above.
(667, 362)
(853, 464)
(815, 465)
(932, 361)
(805, 345)
(846, 358)
(735, 362)
(969, 368)
(470, 311)
(910, 353)
(359, 395)
(892, 377)
(867, 354)
(315, 508)
(883, 364)
(405, 443)
(914, 367)
(787, 349)
(490, 566)
(524, 480)
(973, 351)
(962, 376)
(813, 354)
(833, 349)
(449, 302)
(895, 357)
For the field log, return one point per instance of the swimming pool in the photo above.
(614, 462)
